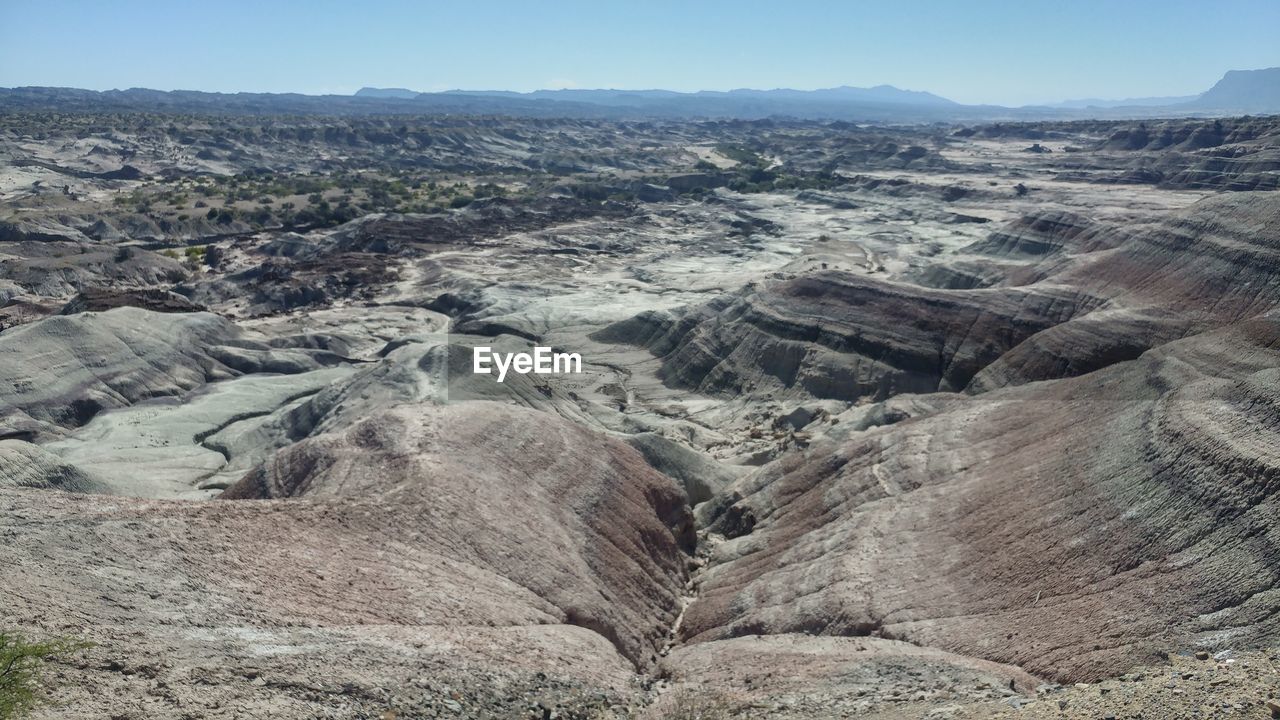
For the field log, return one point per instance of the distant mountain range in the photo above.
(1238, 92)
(881, 94)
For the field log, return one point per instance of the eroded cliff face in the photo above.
(832, 335)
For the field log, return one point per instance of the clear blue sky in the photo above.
(1011, 52)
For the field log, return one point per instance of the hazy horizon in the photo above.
(981, 53)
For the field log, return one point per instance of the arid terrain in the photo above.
(936, 421)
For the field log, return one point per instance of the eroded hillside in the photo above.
(873, 421)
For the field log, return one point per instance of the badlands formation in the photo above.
(873, 422)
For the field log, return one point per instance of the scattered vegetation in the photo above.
(345, 168)
(22, 665)
(740, 154)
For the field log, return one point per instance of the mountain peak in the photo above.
(1244, 90)
(387, 93)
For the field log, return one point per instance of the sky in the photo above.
(971, 51)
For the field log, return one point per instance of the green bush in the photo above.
(741, 154)
(21, 665)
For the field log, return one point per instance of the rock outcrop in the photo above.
(1207, 266)
(843, 336)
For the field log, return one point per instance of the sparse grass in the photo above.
(22, 664)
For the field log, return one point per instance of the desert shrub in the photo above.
(486, 190)
(213, 256)
(741, 154)
(379, 197)
(22, 664)
(261, 216)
